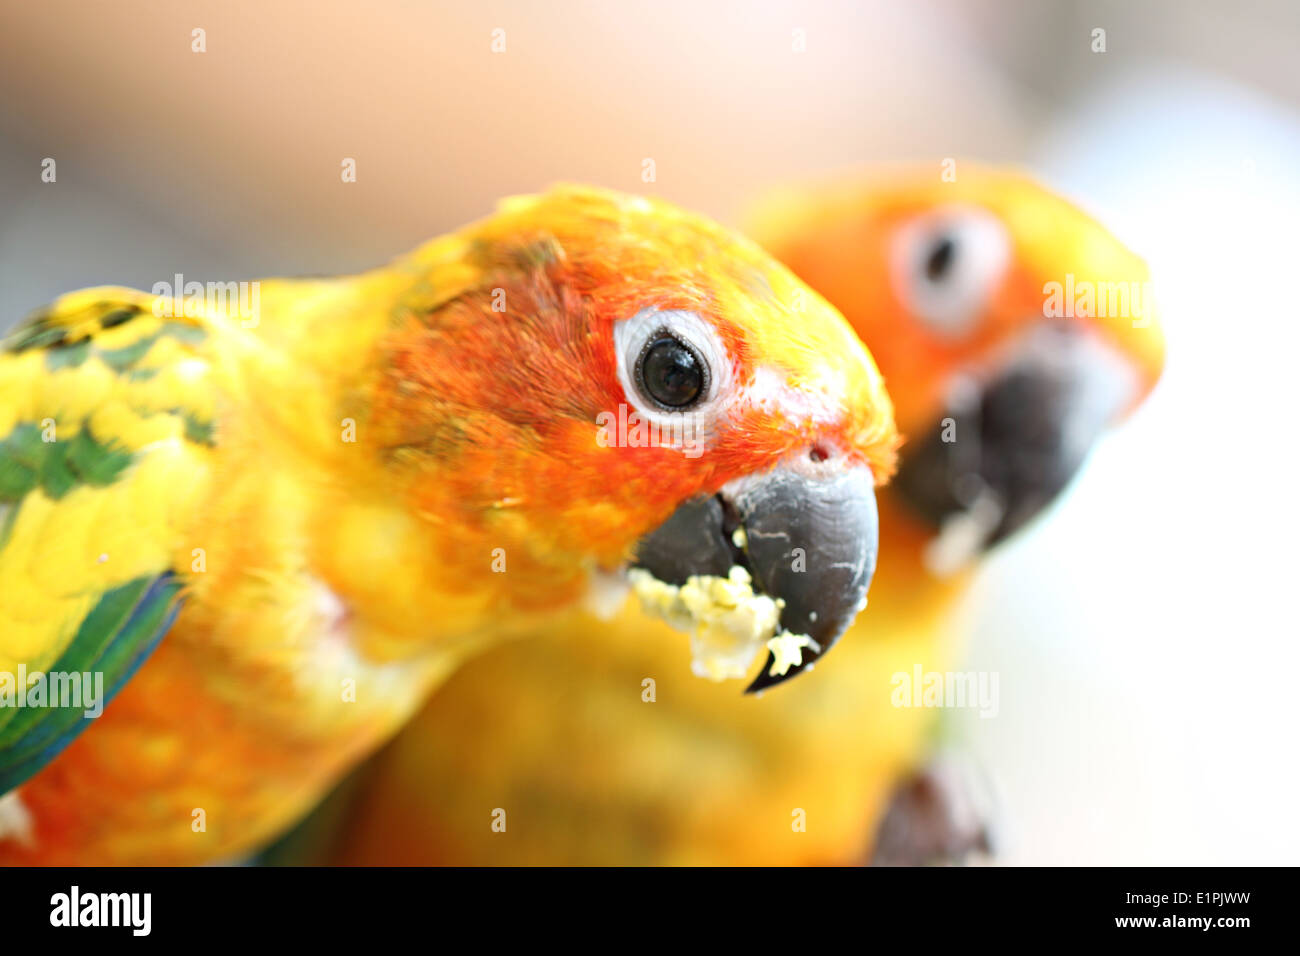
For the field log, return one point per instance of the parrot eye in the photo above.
(670, 372)
(674, 369)
(939, 262)
(948, 266)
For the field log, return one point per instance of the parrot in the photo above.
(245, 532)
(1000, 387)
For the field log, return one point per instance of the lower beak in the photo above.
(1010, 442)
(809, 541)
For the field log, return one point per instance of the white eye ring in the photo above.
(632, 335)
(947, 265)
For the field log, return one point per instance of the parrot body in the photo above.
(589, 771)
(945, 282)
(317, 511)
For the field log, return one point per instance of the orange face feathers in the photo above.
(875, 248)
(1011, 327)
(513, 378)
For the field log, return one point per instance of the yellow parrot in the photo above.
(1012, 329)
(317, 497)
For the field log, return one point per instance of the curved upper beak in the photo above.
(1010, 442)
(810, 541)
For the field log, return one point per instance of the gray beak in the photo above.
(810, 540)
(1016, 437)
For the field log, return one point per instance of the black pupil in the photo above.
(940, 259)
(671, 373)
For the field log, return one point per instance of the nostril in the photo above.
(819, 453)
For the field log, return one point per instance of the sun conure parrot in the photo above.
(316, 508)
(950, 285)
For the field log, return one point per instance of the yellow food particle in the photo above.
(787, 651)
(727, 621)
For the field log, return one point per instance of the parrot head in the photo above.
(1010, 326)
(587, 380)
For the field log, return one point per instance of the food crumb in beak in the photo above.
(787, 651)
(728, 623)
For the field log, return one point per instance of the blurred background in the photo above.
(1144, 631)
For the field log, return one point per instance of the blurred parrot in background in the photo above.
(970, 295)
(328, 497)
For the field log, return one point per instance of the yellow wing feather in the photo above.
(105, 441)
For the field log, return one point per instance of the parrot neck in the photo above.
(904, 584)
(307, 478)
